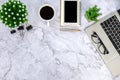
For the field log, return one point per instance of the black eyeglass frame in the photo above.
(100, 43)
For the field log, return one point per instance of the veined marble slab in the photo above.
(46, 53)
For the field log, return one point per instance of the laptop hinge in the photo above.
(118, 11)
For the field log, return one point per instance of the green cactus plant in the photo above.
(13, 13)
(93, 13)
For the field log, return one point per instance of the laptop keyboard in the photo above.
(112, 28)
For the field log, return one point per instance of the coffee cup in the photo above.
(47, 13)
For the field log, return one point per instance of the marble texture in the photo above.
(46, 53)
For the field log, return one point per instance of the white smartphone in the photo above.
(70, 13)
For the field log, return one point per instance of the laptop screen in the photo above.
(70, 11)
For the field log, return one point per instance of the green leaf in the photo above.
(93, 13)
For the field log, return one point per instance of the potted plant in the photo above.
(93, 13)
(13, 13)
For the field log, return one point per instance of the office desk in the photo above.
(46, 53)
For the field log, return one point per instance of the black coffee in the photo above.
(46, 12)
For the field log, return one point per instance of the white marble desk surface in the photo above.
(49, 54)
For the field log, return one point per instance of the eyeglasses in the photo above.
(101, 47)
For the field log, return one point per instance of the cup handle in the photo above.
(48, 23)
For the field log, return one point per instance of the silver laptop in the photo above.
(105, 35)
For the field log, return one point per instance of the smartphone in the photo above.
(70, 13)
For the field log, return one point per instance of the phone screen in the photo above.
(70, 11)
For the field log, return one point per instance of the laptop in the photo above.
(105, 35)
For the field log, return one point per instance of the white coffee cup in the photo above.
(47, 13)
